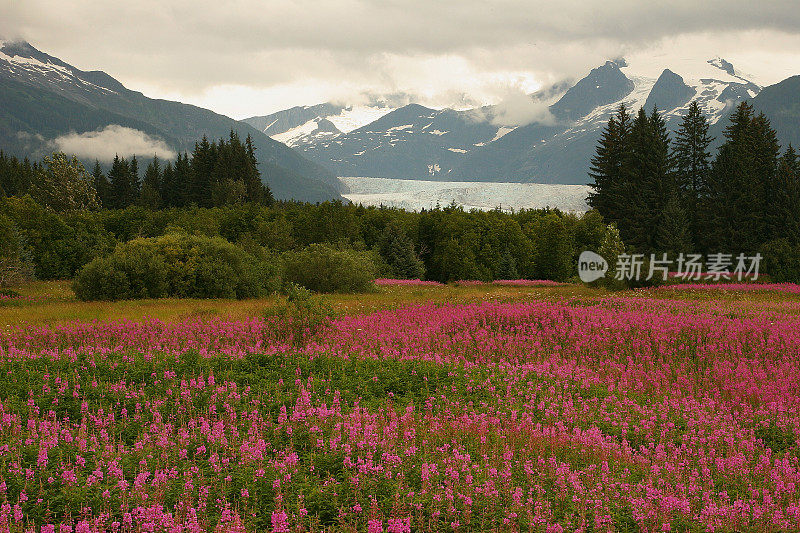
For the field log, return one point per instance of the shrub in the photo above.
(174, 265)
(59, 244)
(324, 268)
(303, 316)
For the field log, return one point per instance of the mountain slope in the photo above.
(43, 97)
(410, 141)
(781, 104)
(669, 92)
(303, 125)
(603, 85)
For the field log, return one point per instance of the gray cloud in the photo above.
(110, 141)
(519, 109)
(293, 49)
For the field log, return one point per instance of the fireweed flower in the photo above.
(547, 415)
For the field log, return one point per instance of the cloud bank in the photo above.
(252, 57)
(110, 141)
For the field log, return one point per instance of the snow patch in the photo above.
(502, 131)
(292, 136)
(355, 117)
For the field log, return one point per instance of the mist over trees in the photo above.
(218, 173)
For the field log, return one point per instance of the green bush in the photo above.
(324, 268)
(59, 244)
(175, 265)
(302, 317)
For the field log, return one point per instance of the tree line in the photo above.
(217, 173)
(670, 195)
(442, 244)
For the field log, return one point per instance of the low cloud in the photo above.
(27, 136)
(110, 141)
(518, 109)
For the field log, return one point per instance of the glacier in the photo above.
(414, 195)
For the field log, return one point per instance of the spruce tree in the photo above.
(673, 234)
(123, 192)
(167, 191)
(201, 178)
(767, 153)
(150, 196)
(506, 267)
(15, 176)
(609, 166)
(692, 166)
(784, 212)
(182, 182)
(398, 252)
(101, 185)
(257, 190)
(645, 183)
(134, 173)
(740, 184)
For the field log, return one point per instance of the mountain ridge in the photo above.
(417, 142)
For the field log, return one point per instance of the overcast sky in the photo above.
(250, 57)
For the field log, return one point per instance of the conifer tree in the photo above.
(15, 176)
(101, 185)
(123, 192)
(645, 183)
(784, 212)
(134, 172)
(767, 153)
(673, 234)
(201, 178)
(398, 252)
(167, 190)
(182, 181)
(150, 196)
(506, 267)
(692, 166)
(740, 184)
(257, 191)
(609, 165)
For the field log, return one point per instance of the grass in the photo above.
(55, 303)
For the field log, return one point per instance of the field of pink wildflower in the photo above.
(630, 415)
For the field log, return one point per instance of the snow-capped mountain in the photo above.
(554, 146)
(561, 153)
(43, 98)
(303, 125)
